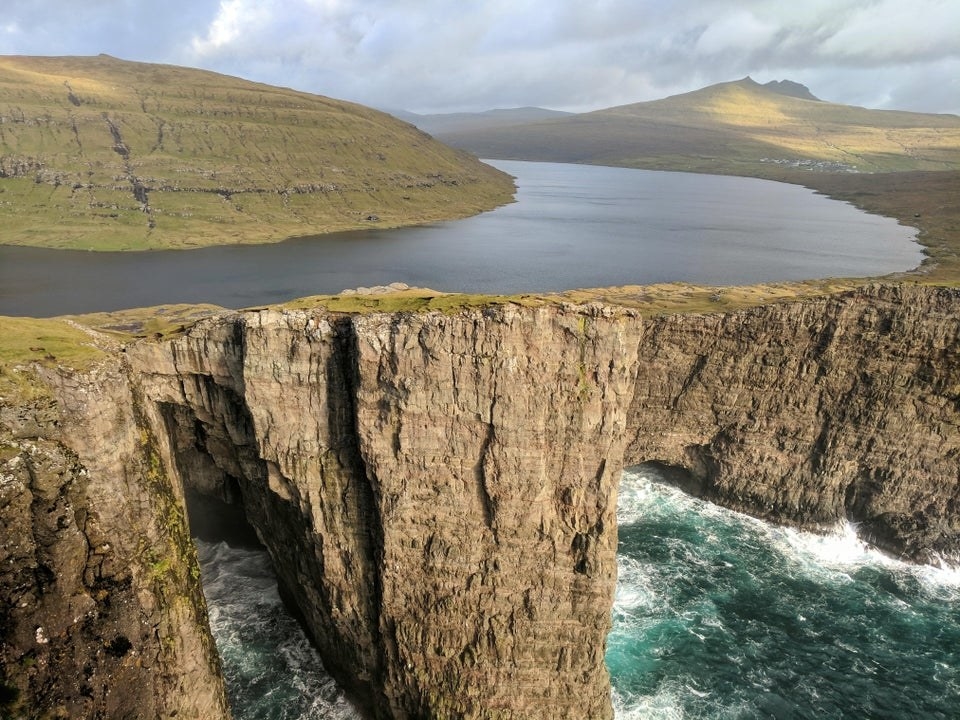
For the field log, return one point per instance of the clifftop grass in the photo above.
(102, 154)
(26, 342)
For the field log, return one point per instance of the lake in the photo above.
(573, 226)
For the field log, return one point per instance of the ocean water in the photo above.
(272, 671)
(717, 615)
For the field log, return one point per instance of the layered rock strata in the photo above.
(816, 412)
(438, 491)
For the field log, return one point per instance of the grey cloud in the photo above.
(437, 55)
(127, 28)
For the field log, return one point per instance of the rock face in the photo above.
(438, 491)
(101, 613)
(815, 412)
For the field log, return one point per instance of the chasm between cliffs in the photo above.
(437, 490)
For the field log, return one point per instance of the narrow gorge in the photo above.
(438, 491)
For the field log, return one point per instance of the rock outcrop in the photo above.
(101, 612)
(814, 412)
(438, 491)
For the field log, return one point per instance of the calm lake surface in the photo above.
(572, 226)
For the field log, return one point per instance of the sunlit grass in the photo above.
(28, 342)
(222, 160)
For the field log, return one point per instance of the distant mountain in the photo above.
(446, 123)
(793, 89)
(101, 153)
(741, 127)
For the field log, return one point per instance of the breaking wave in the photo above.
(719, 615)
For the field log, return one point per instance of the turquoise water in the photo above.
(716, 615)
(272, 671)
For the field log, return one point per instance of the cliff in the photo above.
(101, 612)
(814, 412)
(438, 490)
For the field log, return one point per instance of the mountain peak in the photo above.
(793, 89)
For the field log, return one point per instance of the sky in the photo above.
(433, 56)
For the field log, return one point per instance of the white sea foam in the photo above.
(839, 547)
(665, 704)
(244, 603)
(698, 567)
(636, 586)
(840, 550)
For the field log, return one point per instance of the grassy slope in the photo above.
(100, 153)
(28, 342)
(738, 126)
(446, 123)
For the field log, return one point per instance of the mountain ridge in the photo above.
(101, 153)
(789, 87)
(442, 123)
(739, 127)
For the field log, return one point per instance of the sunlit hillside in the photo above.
(106, 154)
(739, 126)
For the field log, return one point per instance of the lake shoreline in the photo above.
(573, 226)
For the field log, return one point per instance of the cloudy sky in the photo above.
(452, 55)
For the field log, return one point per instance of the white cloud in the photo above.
(891, 31)
(437, 55)
(741, 31)
(225, 28)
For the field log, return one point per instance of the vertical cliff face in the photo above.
(438, 491)
(491, 441)
(101, 613)
(815, 412)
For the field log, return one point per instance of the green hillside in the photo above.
(101, 153)
(740, 127)
(448, 123)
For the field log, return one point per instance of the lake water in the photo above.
(572, 226)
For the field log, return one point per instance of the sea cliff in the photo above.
(101, 611)
(438, 489)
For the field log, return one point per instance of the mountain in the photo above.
(101, 153)
(447, 123)
(793, 89)
(742, 127)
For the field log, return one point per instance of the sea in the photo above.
(717, 615)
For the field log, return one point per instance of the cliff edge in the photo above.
(438, 489)
(101, 611)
